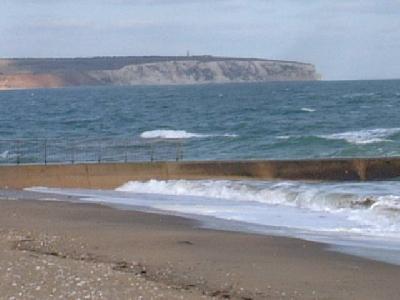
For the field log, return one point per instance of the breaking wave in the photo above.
(358, 95)
(366, 136)
(7, 155)
(306, 109)
(377, 207)
(4, 155)
(356, 137)
(177, 134)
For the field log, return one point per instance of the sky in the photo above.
(345, 39)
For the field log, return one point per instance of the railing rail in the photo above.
(47, 151)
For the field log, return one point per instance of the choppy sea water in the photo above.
(239, 121)
(232, 121)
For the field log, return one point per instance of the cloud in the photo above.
(344, 38)
(78, 24)
(61, 24)
(165, 2)
(134, 24)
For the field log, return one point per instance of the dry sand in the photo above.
(59, 250)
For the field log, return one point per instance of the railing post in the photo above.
(72, 153)
(18, 152)
(178, 150)
(45, 151)
(181, 150)
(126, 151)
(151, 152)
(99, 154)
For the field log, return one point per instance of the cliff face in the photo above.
(36, 73)
(30, 81)
(192, 72)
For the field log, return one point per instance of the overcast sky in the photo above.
(345, 39)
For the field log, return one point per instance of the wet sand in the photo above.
(65, 250)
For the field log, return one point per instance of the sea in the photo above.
(276, 120)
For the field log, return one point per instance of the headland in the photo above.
(28, 73)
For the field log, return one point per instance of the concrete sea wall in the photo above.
(111, 175)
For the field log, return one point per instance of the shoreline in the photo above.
(377, 248)
(372, 247)
(162, 250)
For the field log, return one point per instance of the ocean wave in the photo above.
(365, 208)
(357, 137)
(357, 95)
(306, 109)
(366, 136)
(4, 155)
(177, 134)
(7, 155)
(286, 193)
(361, 202)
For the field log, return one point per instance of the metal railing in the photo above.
(68, 151)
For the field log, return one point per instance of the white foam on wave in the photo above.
(4, 155)
(303, 195)
(7, 155)
(170, 134)
(358, 95)
(366, 136)
(375, 207)
(306, 109)
(221, 189)
(177, 134)
(357, 137)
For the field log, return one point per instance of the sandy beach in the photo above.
(53, 249)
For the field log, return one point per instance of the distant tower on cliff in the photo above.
(187, 53)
